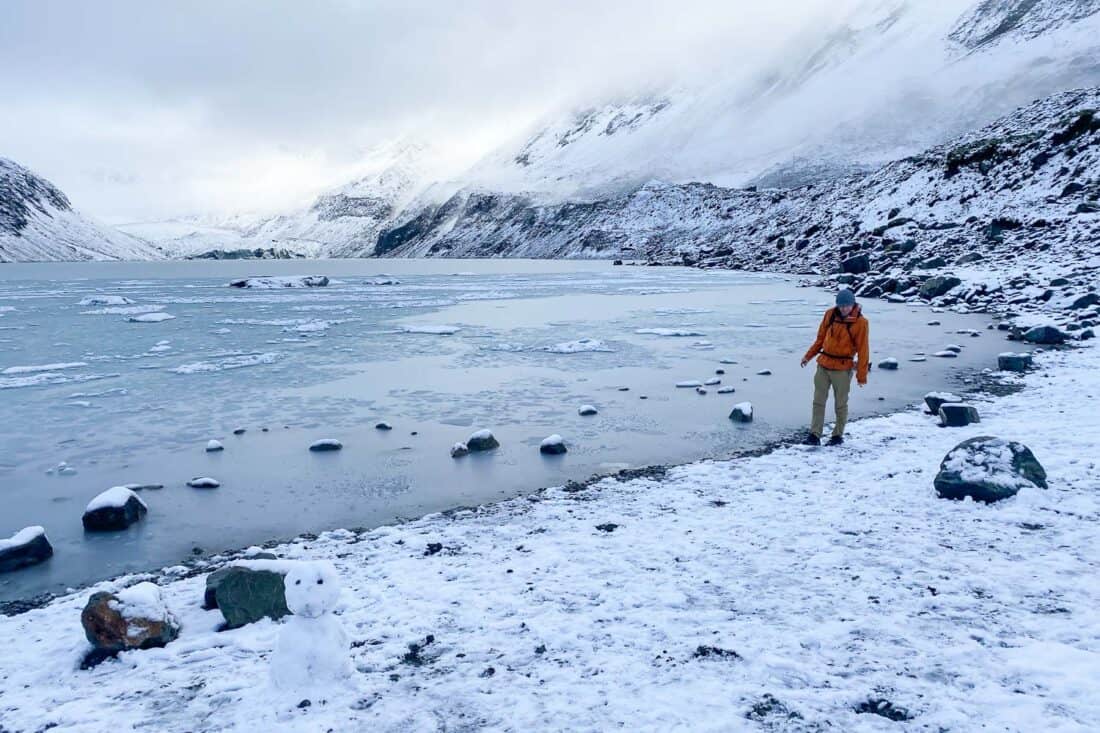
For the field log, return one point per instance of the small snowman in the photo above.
(312, 652)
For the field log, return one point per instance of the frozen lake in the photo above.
(450, 347)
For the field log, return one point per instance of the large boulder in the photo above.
(210, 595)
(957, 415)
(482, 440)
(133, 618)
(28, 547)
(931, 263)
(1012, 362)
(251, 591)
(116, 508)
(988, 469)
(934, 287)
(856, 265)
(1048, 335)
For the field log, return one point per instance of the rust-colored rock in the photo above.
(113, 624)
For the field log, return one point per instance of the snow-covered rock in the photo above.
(213, 446)
(726, 390)
(1009, 361)
(116, 508)
(988, 469)
(957, 415)
(890, 364)
(29, 546)
(689, 384)
(204, 482)
(482, 440)
(587, 410)
(325, 445)
(742, 412)
(384, 426)
(133, 618)
(458, 450)
(934, 400)
(553, 445)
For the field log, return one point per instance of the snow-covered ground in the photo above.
(777, 592)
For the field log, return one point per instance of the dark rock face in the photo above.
(210, 595)
(957, 415)
(24, 554)
(110, 632)
(1014, 362)
(988, 469)
(937, 286)
(114, 518)
(245, 596)
(856, 265)
(1048, 335)
(20, 192)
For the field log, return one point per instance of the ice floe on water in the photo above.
(668, 332)
(231, 362)
(124, 310)
(316, 325)
(580, 346)
(49, 378)
(271, 283)
(104, 393)
(161, 346)
(43, 368)
(105, 300)
(430, 330)
(151, 318)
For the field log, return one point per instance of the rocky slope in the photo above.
(37, 223)
(1022, 194)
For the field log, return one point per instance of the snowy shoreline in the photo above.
(883, 592)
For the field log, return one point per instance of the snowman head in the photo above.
(312, 588)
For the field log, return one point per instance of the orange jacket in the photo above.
(839, 339)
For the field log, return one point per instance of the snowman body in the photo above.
(312, 650)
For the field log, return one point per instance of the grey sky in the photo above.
(154, 108)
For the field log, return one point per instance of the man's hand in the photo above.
(862, 385)
(805, 362)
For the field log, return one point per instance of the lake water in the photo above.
(452, 347)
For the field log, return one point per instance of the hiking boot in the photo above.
(812, 439)
(836, 440)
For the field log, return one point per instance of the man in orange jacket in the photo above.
(843, 333)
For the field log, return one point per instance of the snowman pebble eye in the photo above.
(297, 582)
(320, 581)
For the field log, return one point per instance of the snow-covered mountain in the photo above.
(344, 222)
(37, 223)
(888, 80)
(1023, 190)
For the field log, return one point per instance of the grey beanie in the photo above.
(845, 297)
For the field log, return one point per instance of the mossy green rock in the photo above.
(245, 596)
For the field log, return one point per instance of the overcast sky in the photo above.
(153, 108)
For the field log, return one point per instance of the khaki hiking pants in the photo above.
(841, 382)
